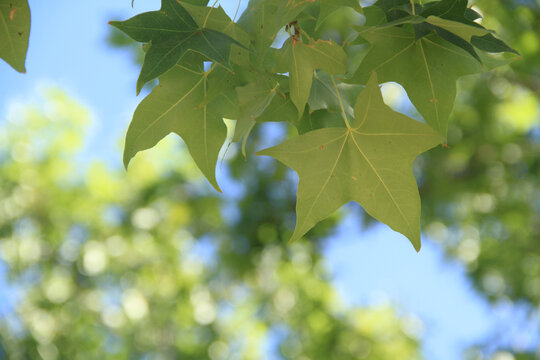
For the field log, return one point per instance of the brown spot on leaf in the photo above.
(354, 178)
(433, 100)
(321, 147)
(12, 13)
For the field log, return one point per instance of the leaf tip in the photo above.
(126, 164)
(215, 185)
(127, 158)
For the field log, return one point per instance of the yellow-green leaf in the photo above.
(178, 105)
(428, 69)
(369, 162)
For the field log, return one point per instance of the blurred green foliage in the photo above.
(144, 265)
(481, 197)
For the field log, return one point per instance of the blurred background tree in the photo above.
(152, 265)
(481, 198)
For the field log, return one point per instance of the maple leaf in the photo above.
(368, 161)
(180, 104)
(454, 17)
(428, 69)
(450, 19)
(172, 32)
(476, 35)
(14, 32)
(302, 60)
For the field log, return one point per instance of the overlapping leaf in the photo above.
(14, 32)
(368, 162)
(253, 99)
(301, 60)
(427, 69)
(172, 31)
(451, 19)
(262, 101)
(260, 19)
(178, 105)
(217, 19)
(323, 94)
(327, 7)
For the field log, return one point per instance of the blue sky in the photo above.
(68, 50)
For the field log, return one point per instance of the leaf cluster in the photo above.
(351, 146)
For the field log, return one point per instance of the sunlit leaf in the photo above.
(369, 162)
(427, 69)
(178, 105)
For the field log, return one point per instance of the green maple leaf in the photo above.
(327, 7)
(428, 69)
(172, 32)
(369, 161)
(454, 17)
(450, 19)
(14, 32)
(178, 104)
(302, 60)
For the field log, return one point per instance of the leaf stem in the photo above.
(340, 103)
(412, 5)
